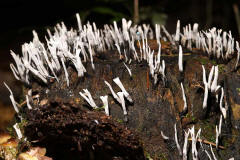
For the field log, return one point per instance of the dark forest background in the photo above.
(19, 17)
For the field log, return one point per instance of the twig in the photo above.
(207, 142)
(136, 12)
(25, 102)
(237, 16)
(197, 85)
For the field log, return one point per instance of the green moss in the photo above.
(99, 108)
(238, 90)
(221, 68)
(213, 62)
(140, 128)
(11, 131)
(212, 138)
(22, 124)
(162, 156)
(203, 61)
(193, 118)
(119, 120)
(208, 131)
(148, 156)
(187, 115)
(23, 145)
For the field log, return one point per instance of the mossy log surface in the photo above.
(63, 122)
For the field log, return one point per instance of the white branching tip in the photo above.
(155, 77)
(29, 94)
(177, 35)
(14, 103)
(15, 72)
(125, 26)
(91, 55)
(125, 55)
(210, 77)
(218, 131)
(20, 70)
(223, 110)
(121, 96)
(185, 145)
(209, 42)
(214, 157)
(204, 75)
(78, 64)
(220, 125)
(105, 104)
(217, 136)
(88, 97)
(18, 131)
(120, 85)
(128, 69)
(164, 136)
(162, 69)
(205, 88)
(194, 142)
(176, 140)
(168, 35)
(224, 38)
(113, 93)
(238, 54)
(150, 63)
(195, 29)
(214, 83)
(27, 98)
(28, 103)
(118, 48)
(158, 34)
(79, 22)
(184, 98)
(96, 121)
(117, 32)
(205, 99)
(180, 59)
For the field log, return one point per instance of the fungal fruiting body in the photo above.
(12, 99)
(223, 110)
(121, 97)
(88, 97)
(105, 104)
(164, 136)
(38, 59)
(176, 140)
(218, 131)
(125, 93)
(18, 131)
(186, 134)
(184, 99)
(80, 50)
(177, 36)
(194, 142)
(180, 59)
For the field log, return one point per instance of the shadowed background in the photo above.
(19, 17)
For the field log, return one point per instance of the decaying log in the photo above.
(155, 91)
(64, 119)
